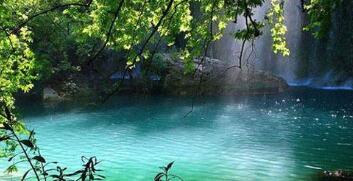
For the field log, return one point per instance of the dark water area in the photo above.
(288, 136)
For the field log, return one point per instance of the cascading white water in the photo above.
(285, 67)
(262, 57)
(289, 68)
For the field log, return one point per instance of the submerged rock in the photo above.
(215, 77)
(337, 175)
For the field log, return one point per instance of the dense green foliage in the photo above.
(331, 55)
(279, 29)
(67, 30)
(319, 13)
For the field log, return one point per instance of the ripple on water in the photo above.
(222, 139)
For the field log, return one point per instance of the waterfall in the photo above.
(307, 63)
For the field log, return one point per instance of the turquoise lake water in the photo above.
(289, 136)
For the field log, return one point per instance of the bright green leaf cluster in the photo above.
(279, 29)
(16, 65)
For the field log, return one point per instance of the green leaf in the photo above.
(158, 176)
(169, 165)
(28, 143)
(25, 175)
(39, 158)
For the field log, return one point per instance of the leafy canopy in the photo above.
(32, 31)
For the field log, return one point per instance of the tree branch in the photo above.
(155, 29)
(109, 33)
(24, 23)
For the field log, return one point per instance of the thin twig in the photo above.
(109, 33)
(24, 23)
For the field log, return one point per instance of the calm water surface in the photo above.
(290, 136)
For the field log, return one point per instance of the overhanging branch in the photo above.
(65, 6)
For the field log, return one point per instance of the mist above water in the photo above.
(312, 62)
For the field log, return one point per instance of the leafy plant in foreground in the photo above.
(88, 172)
(30, 153)
(165, 174)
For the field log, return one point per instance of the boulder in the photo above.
(212, 77)
(215, 77)
(50, 94)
